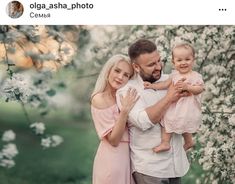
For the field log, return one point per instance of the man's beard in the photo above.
(149, 77)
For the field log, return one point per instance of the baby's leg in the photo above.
(165, 142)
(188, 141)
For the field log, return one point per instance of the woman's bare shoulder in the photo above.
(99, 101)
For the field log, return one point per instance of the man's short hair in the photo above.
(141, 46)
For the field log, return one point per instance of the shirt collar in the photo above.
(139, 80)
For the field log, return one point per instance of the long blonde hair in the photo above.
(101, 82)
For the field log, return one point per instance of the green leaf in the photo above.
(43, 113)
(61, 85)
(43, 104)
(51, 92)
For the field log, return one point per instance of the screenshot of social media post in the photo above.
(117, 92)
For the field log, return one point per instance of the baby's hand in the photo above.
(182, 86)
(147, 85)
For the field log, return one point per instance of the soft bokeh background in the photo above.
(60, 99)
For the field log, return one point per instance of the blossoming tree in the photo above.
(46, 49)
(215, 60)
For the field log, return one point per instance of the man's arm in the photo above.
(137, 116)
(144, 117)
(156, 111)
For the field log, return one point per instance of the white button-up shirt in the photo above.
(144, 135)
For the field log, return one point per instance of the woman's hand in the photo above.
(129, 100)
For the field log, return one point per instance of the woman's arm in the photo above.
(116, 134)
(127, 102)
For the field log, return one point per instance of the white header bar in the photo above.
(120, 12)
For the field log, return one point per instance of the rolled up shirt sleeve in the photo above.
(137, 116)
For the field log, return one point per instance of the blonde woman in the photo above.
(112, 160)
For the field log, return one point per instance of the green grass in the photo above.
(70, 163)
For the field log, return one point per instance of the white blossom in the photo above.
(51, 141)
(160, 30)
(9, 151)
(231, 120)
(189, 36)
(17, 88)
(39, 127)
(7, 163)
(228, 31)
(140, 33)
(8, 135)
(214, 182)
(1, 155)
(46, 142)
(56, 140)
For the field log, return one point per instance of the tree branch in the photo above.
(25, 112)
(86, 76)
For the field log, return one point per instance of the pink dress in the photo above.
(184, 115)
(111, 164)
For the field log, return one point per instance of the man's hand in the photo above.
(182, 88)
(181, 85)
(185, 94)
(173, 93)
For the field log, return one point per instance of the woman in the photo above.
(112, 160)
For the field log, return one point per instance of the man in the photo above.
(145, 131)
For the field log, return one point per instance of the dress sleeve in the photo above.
(199, 80)
(173, 74)
(104, 121)
(137, 116)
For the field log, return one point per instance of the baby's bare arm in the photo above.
(162, 85)
(193, 89)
